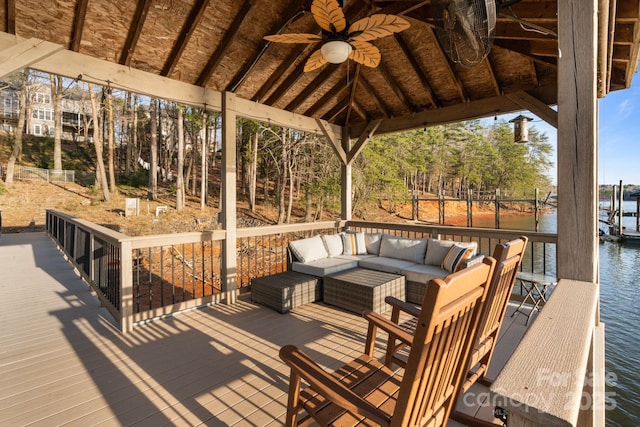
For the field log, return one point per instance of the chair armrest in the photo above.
(328, 386)
(403, 306)
(388, 326)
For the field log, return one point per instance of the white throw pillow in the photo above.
(436, 251)
(333, 244)
(354, 243)
(403, 248)
(309, 249)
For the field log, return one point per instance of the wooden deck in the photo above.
(62, 361)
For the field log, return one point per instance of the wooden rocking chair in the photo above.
(508, 257)
(366, 392)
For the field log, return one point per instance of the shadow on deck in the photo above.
(62, 360)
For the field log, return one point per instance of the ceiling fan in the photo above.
(465, 28)
(341, 42)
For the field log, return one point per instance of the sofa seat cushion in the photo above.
(388, 265)
(354, 257)
(322, 267)
(421, 273)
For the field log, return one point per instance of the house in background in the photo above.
(76, 111)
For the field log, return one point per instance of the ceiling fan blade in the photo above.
(365, 53)
(293, 38)
(376, 26)
(315, 61)
(329, 15)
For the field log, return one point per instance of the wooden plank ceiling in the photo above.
(219, 45)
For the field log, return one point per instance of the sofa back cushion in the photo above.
(309, 249)
(372, 242)
(403, 248)
(354, 243)
(333, 244)
(436, 251)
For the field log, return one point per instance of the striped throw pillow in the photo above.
(456, 256)
(354, 243)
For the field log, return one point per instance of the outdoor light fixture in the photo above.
(336, 52)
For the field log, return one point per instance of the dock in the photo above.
(64, 361)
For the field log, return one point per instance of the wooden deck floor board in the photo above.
(63, 362)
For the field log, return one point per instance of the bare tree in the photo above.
(134, 133)
(110, 141)
(17, 140)
(180, 177)
(97, 143)
(152, 193)
(56, 97)
(203, 171)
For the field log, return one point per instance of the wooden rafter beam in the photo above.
(10, 16)
(418, 70)
(334, 92)
(229, 35)
(278, 73)
(549, 57)
(335, 142)
(139, 18)
(494, 81)
(246, 68)
(194, 18)
(336, 110)
(510, 30)
(397, 90)
(357, 108)
(312, 87)
(449, 71)
(537, 107)
(286, 84)
(25, 53)
(486, 107)
(78, 25)
(382, 106)
(368, 133)
(352, 94)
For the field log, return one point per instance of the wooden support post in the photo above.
(469, 207)
(497, 208)
(228, 197)
(126, 287)
(620, 207)
(536, 208)
(577, 141)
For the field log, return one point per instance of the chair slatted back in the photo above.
(508, 257)
(445, 332)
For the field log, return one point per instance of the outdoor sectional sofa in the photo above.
(418, 260)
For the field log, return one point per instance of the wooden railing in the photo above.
(140, 278)
(556, 374)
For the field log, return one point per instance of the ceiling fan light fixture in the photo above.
(336, 52)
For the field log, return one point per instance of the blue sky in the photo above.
(619, 143)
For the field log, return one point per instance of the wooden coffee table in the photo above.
(360, 289)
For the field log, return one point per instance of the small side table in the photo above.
(536, 286)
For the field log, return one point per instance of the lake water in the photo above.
(619, 310)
